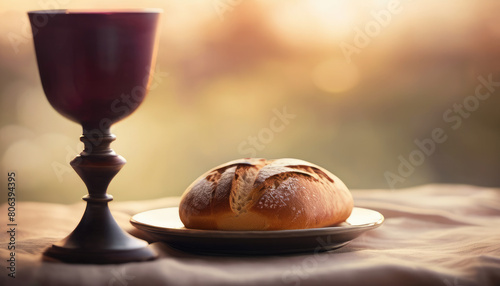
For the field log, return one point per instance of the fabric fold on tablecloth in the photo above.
(432, 235)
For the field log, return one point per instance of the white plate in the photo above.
(165, 225)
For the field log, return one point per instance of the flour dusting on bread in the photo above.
(259, 194)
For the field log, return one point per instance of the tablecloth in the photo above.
(432, 235)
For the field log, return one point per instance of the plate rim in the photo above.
(186, 232)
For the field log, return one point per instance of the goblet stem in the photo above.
(97, 164)
(98, 238)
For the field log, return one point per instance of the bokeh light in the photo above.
(335, 75)
(226, 68)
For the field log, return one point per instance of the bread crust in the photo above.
(259, 194)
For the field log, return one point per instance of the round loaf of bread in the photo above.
(259, 194)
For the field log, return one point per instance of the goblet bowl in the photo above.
(95, 66)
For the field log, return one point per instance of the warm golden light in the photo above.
(224, 67)
(335, 76)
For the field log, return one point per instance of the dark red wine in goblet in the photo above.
(95, 70)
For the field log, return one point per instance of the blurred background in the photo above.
(348, 85)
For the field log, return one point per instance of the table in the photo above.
(445, 235)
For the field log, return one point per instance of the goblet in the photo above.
(95, 70)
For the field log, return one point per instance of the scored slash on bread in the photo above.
(259, 194)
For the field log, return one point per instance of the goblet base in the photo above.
(69, 255)
(98, 239)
